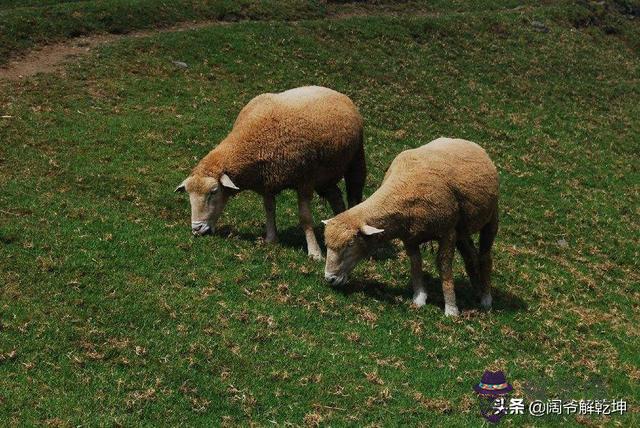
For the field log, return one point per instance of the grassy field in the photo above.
(24, 24)
(28, 23)
(112, 314)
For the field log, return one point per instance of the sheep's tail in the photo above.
(356, 175)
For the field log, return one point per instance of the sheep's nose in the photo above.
(199, 229)
(332, 279)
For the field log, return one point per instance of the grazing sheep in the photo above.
(446, 190)
(305, 139)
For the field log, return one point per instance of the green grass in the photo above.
(28, 23)
(111, 313)
(25, 24)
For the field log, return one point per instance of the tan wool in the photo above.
(446, 191)
(306, 139)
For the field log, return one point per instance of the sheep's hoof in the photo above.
(315, 256)
(271, 239)
(451, 311)
(486, 301)
(419, 299)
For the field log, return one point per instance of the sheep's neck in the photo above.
(218, 160)
(384, 210)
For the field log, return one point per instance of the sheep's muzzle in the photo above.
(200, 228)
(334, 279)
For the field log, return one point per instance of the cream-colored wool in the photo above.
(446, 191)
(306, 139)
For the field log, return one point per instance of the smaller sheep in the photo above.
(446, 191)
(306, 139)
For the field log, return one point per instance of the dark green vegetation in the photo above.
(110, 312)
(23, 24)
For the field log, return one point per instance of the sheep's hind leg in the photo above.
(470, 256)
(306, 221)
(419, 292)
(333, 195)
(487, 236)
(446, 250)
(270, 210)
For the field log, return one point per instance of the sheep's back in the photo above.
(305, 134)
(452, 174)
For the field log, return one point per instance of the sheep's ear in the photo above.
(370, 230)
(226, 182)
(181, 187)
(326, 221)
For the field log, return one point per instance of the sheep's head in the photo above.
(208, 197)
(347, 243)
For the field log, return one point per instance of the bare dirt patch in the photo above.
(52, 58)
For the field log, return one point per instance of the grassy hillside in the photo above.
(25, 24)
(28, 23)
(111, 313)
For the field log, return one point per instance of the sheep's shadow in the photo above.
(375, 290)
(467, 297)
(292, 237)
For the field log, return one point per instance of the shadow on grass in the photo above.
(292, 237)
(466, 297)
(375, 290)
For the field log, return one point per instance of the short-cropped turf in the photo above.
(111, 313)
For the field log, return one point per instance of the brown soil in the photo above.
(52, 58)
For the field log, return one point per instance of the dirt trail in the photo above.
(52, 58)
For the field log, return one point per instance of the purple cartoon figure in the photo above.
(492, 391)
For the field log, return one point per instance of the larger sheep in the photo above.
(446, 191)
(306, 139)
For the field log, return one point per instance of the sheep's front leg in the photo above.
(270, 210)
(446, 249)
(419, 292)
(306, 221)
